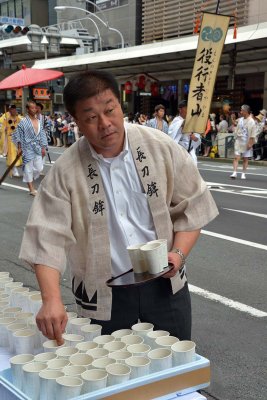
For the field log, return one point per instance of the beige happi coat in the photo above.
(68, 221)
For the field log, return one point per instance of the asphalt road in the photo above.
(226, 270)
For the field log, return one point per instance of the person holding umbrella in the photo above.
(30, 138)
(9, 122)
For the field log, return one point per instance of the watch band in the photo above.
(181, 254)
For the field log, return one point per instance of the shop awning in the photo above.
(175, 55)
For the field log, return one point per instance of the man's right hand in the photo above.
(52, 320)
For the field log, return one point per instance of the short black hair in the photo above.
(87, 84)
(40, 105)
(182, 104)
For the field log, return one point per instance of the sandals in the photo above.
(34, 193)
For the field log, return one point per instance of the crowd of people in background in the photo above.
(249, 131)
(206, 144)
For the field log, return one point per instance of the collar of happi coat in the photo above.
(98, 227)
(149, 175)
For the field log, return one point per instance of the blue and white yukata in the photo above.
(153, 123)
(31, 146)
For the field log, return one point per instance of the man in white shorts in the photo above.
(30, 138)
(245, 134)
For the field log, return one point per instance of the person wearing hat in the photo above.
(9, 122)
(260, 122)
(245, 134)
(189, 141)
(158, 122)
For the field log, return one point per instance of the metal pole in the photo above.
(217, 8)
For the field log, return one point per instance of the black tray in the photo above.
(129, 278)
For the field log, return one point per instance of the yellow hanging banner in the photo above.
(210, 45)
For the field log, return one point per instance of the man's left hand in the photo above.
(176, 261)
(43, 152)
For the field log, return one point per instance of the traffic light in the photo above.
(11, 30)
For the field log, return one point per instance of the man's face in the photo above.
(39, 110)
(13, 112)
(32, 110)
(244, 113)
(182, 112)
(160, 113)
(100, 119)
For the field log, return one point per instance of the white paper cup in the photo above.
(91, 331)
(75, 324)
(83, 347)
(71, 315)
(45, 357)
(4, 322)
(4, 280)
(94, 379)
(51, 345)
(102, 363)
(35, 301)
(183, 352)
(11, 312)
(156, 257)
(24, 317)
(139, 349)
(57, 364)
(82, 359)
(4, 304)
(68, 387)
(26, 302)
(101, 340)
(151, 337)
(118, 373)
(166, 341)
(137, 258)
(5, 297)
(132, 339)
(114, 346)
(121, 333)
(120, 356)
(12, 285)
(142, 328)
(10, 330)
(72, 339)
(48, 383)
(24, 340)
(39, 338)
(16, 296)
(99, 352)
(66, 352)
(139, 366)
(31, 379)
(16, 364)
(74, 370)
(4, 274)
(160, 358)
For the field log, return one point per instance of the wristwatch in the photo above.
(181, 254)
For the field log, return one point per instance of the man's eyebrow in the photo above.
(91, 108)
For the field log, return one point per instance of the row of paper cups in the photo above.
(47, 376)
(149, 257)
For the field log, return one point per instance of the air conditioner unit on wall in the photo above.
(58, 98)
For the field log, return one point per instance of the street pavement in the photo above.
(226, 271)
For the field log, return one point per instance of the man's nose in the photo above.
(104, 121)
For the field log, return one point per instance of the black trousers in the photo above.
(152, 302)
